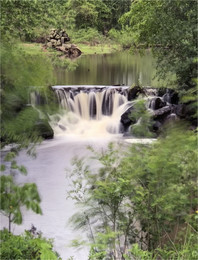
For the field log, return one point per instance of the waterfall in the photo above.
(90, 110)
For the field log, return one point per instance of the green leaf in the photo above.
(2, 167)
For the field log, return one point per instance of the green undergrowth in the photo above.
(26, 246)
(32, 48)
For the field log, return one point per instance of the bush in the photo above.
(123, 37)
(30, 245)
(86, 35)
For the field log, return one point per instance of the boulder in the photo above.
(64, 34)
(180, 110)
(161, 113)
(57, 39)
(53, 42)
(156, 103)
(74, 53)
(62, 127)
(58, 43)
(49, 45)
(62, 40)
(133, 92)
(126, 119)
(156, 126)
(171, 97)
(44, 129)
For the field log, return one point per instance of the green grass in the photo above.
(36, 48)
(32, 48)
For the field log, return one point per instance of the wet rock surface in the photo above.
(157, 101)
(126, 118)
(162, 103)
(134, 92)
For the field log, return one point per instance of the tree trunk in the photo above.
(9, 223)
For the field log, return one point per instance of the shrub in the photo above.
(30, 245)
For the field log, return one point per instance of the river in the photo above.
(121, 68)
(48, 169)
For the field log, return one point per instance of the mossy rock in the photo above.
(44, 129)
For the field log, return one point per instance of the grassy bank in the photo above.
(98, 49)
(32, 48)
(87, 49)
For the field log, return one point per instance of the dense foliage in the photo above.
(146, 196)
(30, 245)
(170, 29)
(140, 203)
(21, 75)
(30, 19)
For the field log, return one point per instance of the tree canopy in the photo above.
(170, 29)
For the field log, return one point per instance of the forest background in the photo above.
(160, 192)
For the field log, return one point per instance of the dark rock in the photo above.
(67, 39)
(62, 127)
(44, 129)
(156, 103)
(133, 92)
(64, 34)
(180, 110)
(162, 111)
(161, 91)
(126, 119)
(156, 126)
(171, 97)
(74, 53)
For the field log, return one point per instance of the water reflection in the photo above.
(109, 69)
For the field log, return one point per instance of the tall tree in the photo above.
(140, 196)
(117, 9)
(170, 29)
(24, 19)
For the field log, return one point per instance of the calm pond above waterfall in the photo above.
(54, 156)
(120, 68)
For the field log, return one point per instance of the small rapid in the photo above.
(89, 110)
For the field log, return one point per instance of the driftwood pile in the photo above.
(58, 39)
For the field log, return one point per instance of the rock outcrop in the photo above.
(58, 39)
(162, 103)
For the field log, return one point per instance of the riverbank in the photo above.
(86, 48)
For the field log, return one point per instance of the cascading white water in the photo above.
(90, 110)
